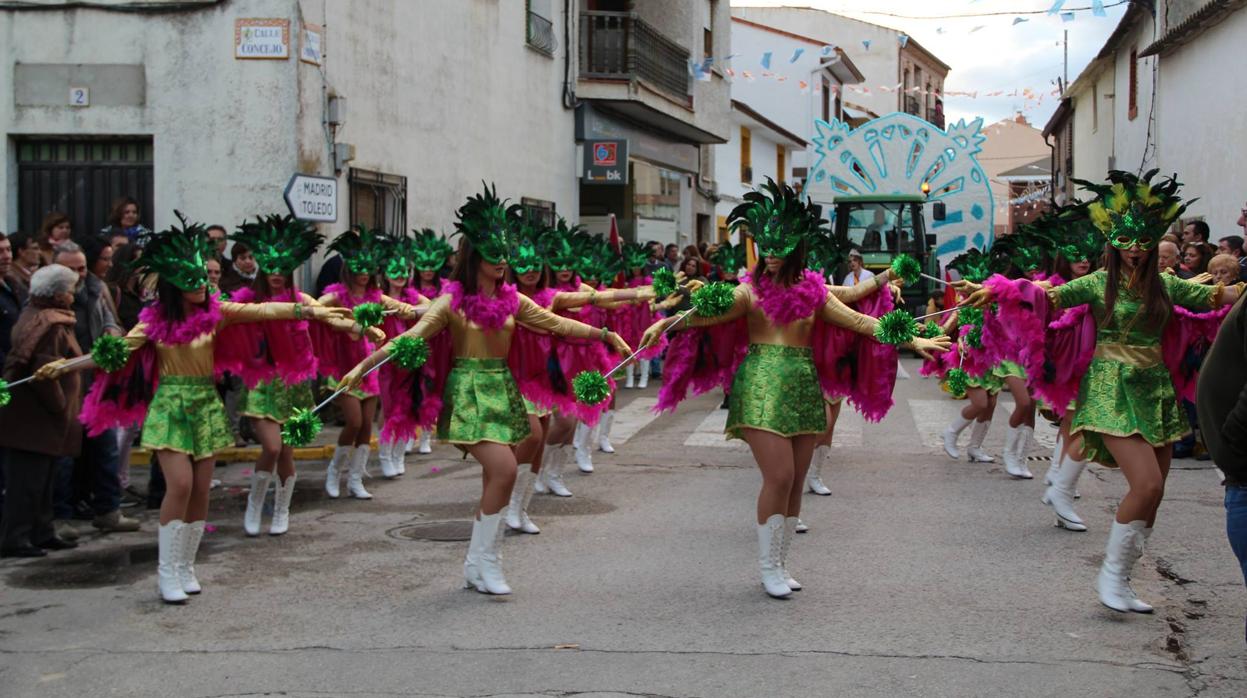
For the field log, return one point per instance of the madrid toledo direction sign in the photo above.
(313, 198)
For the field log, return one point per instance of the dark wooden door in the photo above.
(82, 178)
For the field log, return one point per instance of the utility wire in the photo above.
(979, 14)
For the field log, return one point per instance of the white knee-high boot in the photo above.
(975, 450)
(790, 530)
(814, 477)
(951, 433)
(1057, 456)
(1125, 546)
(169, 550)
(192, 535)
(552, 473)
(355, 479)
(604, 432)
(643, 367)
(338, 462)
(517, 510)
(482, 569)
(255, 501)
(629, 379)
(770, 552)
(580, 447)
(426, 442)
(281, 506)
(1060, 495)
(389, 452)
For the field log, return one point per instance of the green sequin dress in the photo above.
(776, 389)
(276, 401)
(1127, 390)
(482, 403)
(187, 416)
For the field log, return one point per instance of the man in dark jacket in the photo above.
(1221, 400)
(40, 424)
(12, 298)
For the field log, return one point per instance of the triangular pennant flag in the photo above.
(866, 44)
(1019, 20)
(977, 28)
(1097, 8)
(795, 55)
(1067, 16)
(827, 50)
(1056, 7)
(902, 39)
(803, 85)
(766, 60)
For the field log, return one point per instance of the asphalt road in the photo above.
(923, 576)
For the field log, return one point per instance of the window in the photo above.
(827, 99)
(1095, 106)
(656, 191)
(1134, 83)
(378, 200)
(781, 170)
(707, 31)
(539, 33)
(746, 156)
(538, 210)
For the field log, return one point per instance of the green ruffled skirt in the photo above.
(1008, 369)
(776, 389)
(990, 381)
(482, 403)
(275, 400)
(531, 407)
(1121, 400)
(187, 416)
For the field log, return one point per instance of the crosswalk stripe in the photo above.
(709, 433)
(632, 418)
(932, 416)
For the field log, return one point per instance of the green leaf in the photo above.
(110, 353)
(369, 314)
(409, 353)
(713, 300)
(301, 428)
(591, 388)
(896, 328)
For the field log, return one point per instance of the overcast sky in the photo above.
(998, 55)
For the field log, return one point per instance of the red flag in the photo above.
(620, 278)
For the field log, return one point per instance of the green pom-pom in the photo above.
(970, 316)
(591, 388)
(409, 353)
(369, 314)
(896, 328)
(931, 330)
(713, 300)
(957, 381)
(4, 393)
(110, 353)
(301, 428)
(664, 282)
(974, 337)
(907, 268)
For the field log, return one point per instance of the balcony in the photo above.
(620, 46)
(540, 34)
(912, 106)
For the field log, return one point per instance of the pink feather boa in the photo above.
(488, 313)
(402, 414)
(338, 353)
(261, 351)
(201, 321)
(109, 403)
(783, 305)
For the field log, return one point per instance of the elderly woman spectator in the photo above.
(1224, 269)
(40, 424)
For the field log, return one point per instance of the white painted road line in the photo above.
(632, 418)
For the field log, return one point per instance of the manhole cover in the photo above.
(437, 531)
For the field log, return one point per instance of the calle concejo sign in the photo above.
(606, 162)
(313, 198)
(257, 38)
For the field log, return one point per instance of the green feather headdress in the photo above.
(973, 265)
(280, 243)
(430, 250)
(776, 218)
(176, 255)
(827, 254)
(399, 251)
(635, 256)
(362, 250)
(485, 221)
(559, 245)
(526, 254)
(1077, 239)
(1130, 210)
(730, 258)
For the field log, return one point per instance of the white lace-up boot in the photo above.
(192, 535)
(281, 506)
(604, 432)
(255, 501)
(951, 433)
(790, 530)
(517, 510)
(169, 549)
(338, 462)
(1060, 495)
(770, 551)
(975, 450)
(814, 476)
(580, 447)
(355, 478)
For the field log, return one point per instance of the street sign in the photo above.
(313, 198)
(606, 162)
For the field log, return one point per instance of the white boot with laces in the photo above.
(169, 550)
(255, 501)
(975, 450)
(338, 462)
(359, 466)
(814, 476)
(770, 553)
(580, 447)
(604, 432)
(951, 433)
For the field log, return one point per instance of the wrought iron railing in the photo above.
(619, 45)
(541, 34)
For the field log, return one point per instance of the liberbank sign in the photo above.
(606, 162)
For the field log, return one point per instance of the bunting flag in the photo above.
(1067, 16)
(1019, 20)
(1097, 8)
(795, 55)
(1056, 7)
(827, 50)
(866, 44)
(766, 60)
(902, 39)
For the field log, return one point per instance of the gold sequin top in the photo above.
(195, 358)
(795, 334)
(471, 341)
